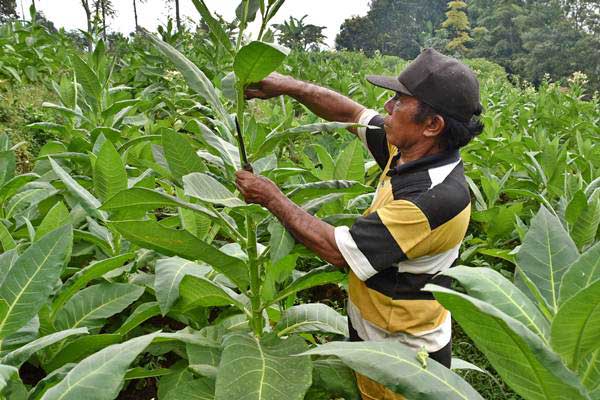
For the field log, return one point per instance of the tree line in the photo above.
(529, 38)
(532, 39)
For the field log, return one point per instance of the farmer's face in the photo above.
(400, 128)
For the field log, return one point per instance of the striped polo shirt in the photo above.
(411, 232)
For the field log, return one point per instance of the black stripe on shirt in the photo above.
(404, 285)
(375, 241)
(445, 201)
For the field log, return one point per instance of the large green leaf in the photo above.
(138, 316)
(195, 78)
(215, 26)
(91, 306)
(195, 291)
(204, 360)
(7, 259)
(521, 358)
(589, 371)
(256, 60)
(146, 199)
(396, 366)
(281, 241)
(6, 374)
(312, 317)
(109, 172)
(490, 286)
(207, 188)
(350, 164)
(99, 376)
(584, 230)
(56, 217)
(546, 253)
(179, 375)
(180, 154)
(197, 389)
(331, 374)
(316, 277)
(8, 165)
(6, 240)
(12, 186)
(79, 348)
(81, 278)
(264, 369)
(174, 242)
(275, 137)
(22, 354)
(230, 155)
(581, 274)
(168, 275)
(24, 202)
(88, 79)
(576, 326)
(31, 279)
(88, 202)
(301, 193)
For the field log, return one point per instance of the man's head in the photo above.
(437, 99)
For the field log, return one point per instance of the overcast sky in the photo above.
(70, 15)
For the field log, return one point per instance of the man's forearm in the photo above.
(315, 234)
(324, 102)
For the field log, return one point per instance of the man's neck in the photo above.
(418, 151)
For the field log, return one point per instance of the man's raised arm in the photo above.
(324, 102)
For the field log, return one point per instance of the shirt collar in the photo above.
(424, 163)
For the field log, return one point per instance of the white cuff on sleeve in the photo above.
(364, 119)
(352, 254)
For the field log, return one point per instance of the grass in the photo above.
(21, 105)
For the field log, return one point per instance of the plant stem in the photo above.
(254, 268)
(256, 321)
(263, 23)
(242, 24)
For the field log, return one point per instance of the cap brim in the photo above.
(388, 82)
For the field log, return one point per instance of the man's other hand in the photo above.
(256, 189)
(273, 85)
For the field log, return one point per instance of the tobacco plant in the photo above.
(130, 224)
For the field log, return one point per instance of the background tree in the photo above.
(457, 26)
(104, 10)
(8, 10)
(295, 34)
(395, 27)
(88, 17)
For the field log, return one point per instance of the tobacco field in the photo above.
(131, 268)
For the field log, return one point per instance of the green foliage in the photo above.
(540, 347)
(139, 168)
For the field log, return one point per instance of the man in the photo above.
(421, 209)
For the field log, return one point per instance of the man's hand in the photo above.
(273, 85)
(256, 189)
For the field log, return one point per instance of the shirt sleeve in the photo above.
(374, 137)
(383, 238)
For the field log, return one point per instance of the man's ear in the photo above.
(435, 126)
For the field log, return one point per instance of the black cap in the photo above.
(442, 82)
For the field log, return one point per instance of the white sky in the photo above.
(70, 15)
